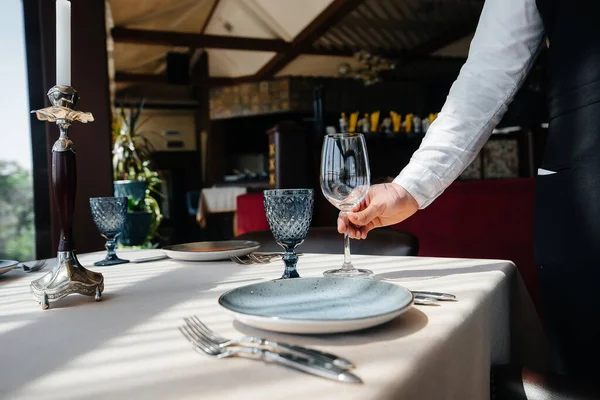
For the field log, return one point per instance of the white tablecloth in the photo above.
(128, 346)
(217, 200)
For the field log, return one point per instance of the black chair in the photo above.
(327, 240)
(191, 201)
(512, 382)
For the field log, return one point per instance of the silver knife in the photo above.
(302, 364)
(426, 301)
(303, 351)
(326, 358)
(435, 295)
(148, 259)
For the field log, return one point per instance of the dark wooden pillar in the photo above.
(90, 78)
(214, 159)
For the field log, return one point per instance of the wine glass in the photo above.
(109, 215)
(289, 213)
(345, 180)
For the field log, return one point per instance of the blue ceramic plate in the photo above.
(7, 265)
(317, 305)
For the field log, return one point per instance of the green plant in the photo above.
(131, 160)
(17, 232)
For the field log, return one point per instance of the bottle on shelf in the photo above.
(343, 123)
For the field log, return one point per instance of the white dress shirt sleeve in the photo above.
(506, 42)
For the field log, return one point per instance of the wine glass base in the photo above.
(112, 261)
(349, 273)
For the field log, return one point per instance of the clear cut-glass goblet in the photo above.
(345, 180)
(289, 213)
(109, 214)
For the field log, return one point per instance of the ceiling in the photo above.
(290, 37)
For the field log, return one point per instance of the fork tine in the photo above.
(205, 333)
(208, 332)
(239, 260)
(259, 260)
(199, 342)
(183, 330)
(195, 332)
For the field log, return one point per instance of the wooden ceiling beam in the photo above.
(334, 13)
(197, 40)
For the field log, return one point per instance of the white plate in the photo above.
(317, 305)
(7, 265)
(210, 251)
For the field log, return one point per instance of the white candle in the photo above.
(63, 42)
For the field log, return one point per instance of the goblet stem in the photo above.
(111, 245)
(290, 259)
(111, 255)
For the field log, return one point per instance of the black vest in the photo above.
(568, 202)
(567, 211)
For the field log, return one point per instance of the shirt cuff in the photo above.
(420, 182)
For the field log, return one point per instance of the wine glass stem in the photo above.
(347, 261)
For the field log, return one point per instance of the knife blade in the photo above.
(426, 301)
(310, 367)
(435, 295)
(306, 352)
(149, 259)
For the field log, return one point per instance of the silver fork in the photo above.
(263, 259)
(242, 260)
(202, 345)
(255, 258)
(37, 266)
(201, 329)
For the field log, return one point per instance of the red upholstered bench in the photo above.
(471, 219)
(481, 219)
(251, 215)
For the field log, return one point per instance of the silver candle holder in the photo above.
(68, 276)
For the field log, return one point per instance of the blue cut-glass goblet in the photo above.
(109, 214)
(289, 213)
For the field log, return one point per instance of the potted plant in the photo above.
(134, 177)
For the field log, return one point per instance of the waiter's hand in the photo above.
(385, 204)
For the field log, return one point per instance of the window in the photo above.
(17, 232)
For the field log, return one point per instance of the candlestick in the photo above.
(63, 43)
(68, 276)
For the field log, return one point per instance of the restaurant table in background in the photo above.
(128, 345)
(219, 200)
